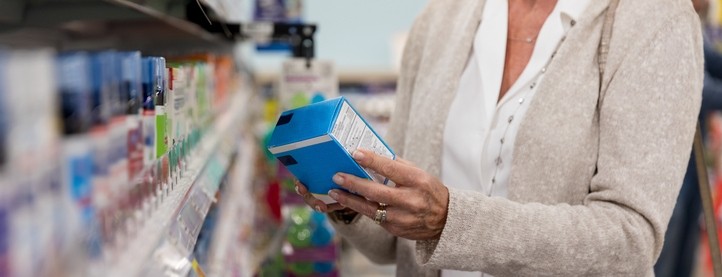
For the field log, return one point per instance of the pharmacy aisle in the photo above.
(125, 143)
(99, 173)
(134, 136)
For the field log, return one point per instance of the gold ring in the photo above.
(380, 216)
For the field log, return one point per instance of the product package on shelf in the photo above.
(78, 153)
(4, 184)
(31, 190)
(131, 92)
(3, 115)
(193, 98)
(97, 161)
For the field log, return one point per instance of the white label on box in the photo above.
(352, 132)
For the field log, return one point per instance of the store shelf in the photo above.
(239, 246)
(236, 220)
(150, 252)
(175, 22)
(94, 24)
(272, 247)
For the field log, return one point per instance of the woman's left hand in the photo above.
(416, 207)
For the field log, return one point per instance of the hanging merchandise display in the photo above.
(277, 11)
(270, 10)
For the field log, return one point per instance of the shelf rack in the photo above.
(153, 249)
(163, 243)
(96, 24)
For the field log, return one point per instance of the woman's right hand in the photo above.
(314, 203)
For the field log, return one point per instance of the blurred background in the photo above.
(133, 134)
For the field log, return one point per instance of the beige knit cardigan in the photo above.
(592, 187)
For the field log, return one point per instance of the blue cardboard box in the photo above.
(316, 141)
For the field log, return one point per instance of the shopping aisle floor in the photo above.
(353, 263)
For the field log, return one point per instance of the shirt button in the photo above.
(493, 180)
(532, 86)
(502, 140)
(573, 22)
(521, 100)
(511, 118)
(498, 161)
(544, 69)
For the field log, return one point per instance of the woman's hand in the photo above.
(417, 206)
(314, 203)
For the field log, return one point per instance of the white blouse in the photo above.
(481, 129)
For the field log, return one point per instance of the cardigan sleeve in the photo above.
(646, 127)
(372, 240)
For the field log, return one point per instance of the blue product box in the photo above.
(316, 141)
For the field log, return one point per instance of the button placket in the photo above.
(523, 98)
(498, 161)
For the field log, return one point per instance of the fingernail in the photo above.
(298, 191)
(318, 209)
(338, 179)
(333, 194)
(358, 155)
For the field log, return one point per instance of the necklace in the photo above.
(529, 40)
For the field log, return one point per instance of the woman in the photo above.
(522, 158)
